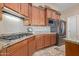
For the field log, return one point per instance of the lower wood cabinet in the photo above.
(18, 49)
(31, 46)
(47, 40)
(71, 49)
(20, 52)
(3, 52)
(28, 46)
(39, 39)
(52, 39)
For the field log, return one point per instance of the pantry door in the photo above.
(71, 27)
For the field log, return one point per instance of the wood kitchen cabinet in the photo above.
(1, 5)
(3, 52)
(41, 16)
(48, 13)
(38, 16)
(47, 40)
(71, 49)
(28, 46)
(51, 13)
(52, 39)
(35, 16)
(18, 49)
(39, 39)
(55, 15)
(13, 6)
(25, 9)
(31, 46)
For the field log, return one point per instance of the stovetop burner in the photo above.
(15, 36)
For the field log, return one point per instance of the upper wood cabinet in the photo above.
(25, 9)
(55, 15)
(13, 6)
(48, 13)
(1, 5)
(38, 16)
(35, 16)
(41, 16)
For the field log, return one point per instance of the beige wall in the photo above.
(70, 12)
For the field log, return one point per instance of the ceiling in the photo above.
(64, 6)
(59, 6)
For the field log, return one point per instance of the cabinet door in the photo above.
(20, 52)
(24, 9)
(1, 5)
(35, 16)
(42, 17)
(18, 49)
(54, 16)
(49, 13)
(30, 10)
(47, 40)
(39, 42)
(13, 6)
(31, 46)
(52, 39)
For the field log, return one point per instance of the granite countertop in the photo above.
(75, 41)
(5, 43)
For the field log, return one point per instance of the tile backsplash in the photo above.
(40, 29)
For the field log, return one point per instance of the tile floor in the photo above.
(51, 51)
